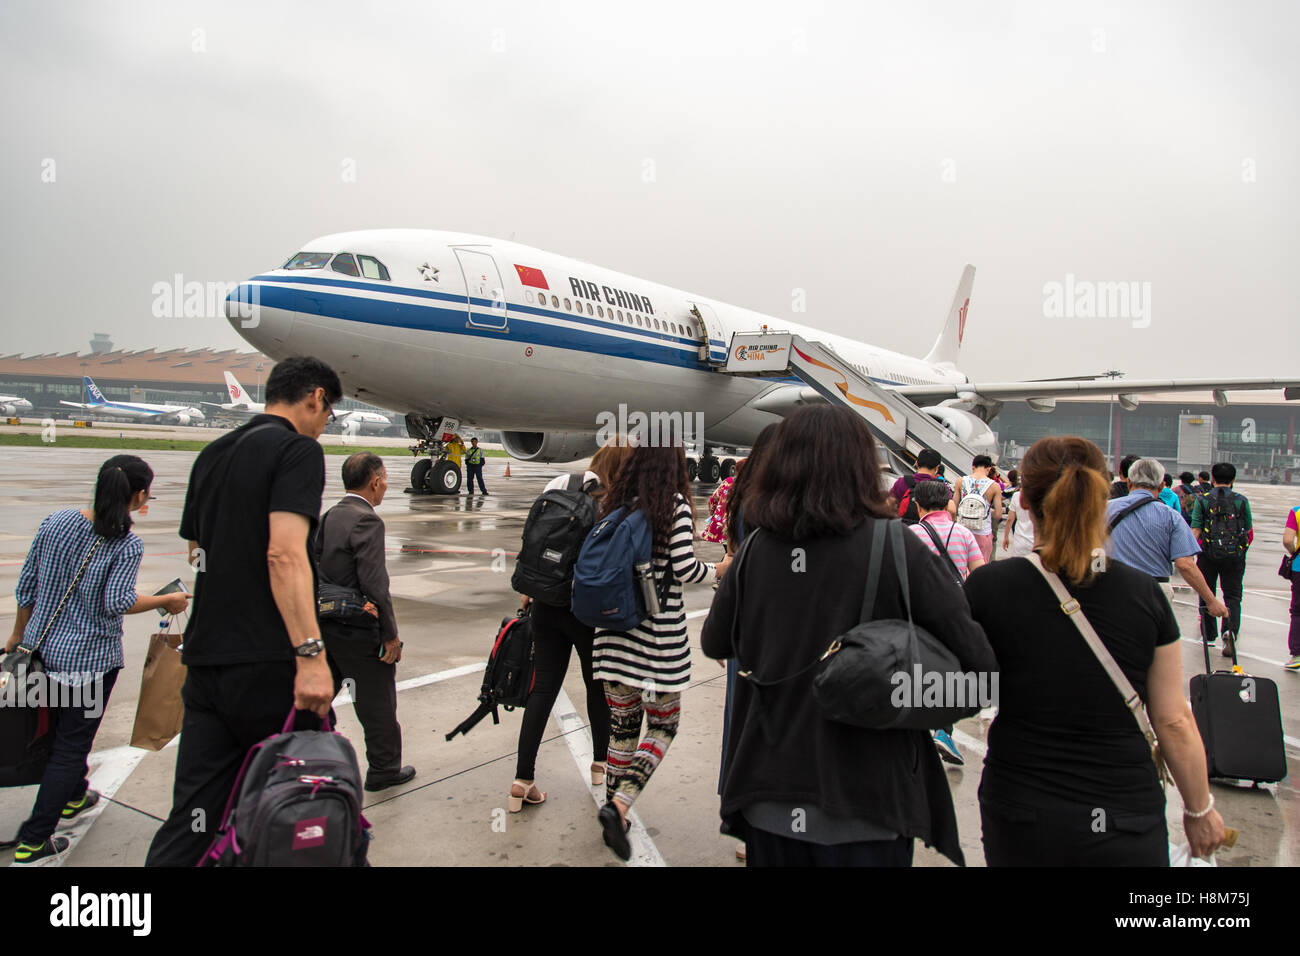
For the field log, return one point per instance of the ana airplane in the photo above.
(178, 414)
(462, 328)
(14, 405)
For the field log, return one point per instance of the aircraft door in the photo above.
(717, 336)
(484, 289)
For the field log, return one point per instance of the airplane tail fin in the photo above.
(237, 394)
(948, 346)
(96, 397)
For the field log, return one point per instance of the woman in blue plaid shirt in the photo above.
(81, 645)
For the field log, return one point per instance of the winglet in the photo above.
(948, 346)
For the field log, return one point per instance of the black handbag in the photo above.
(338, 604)
(876, 675)
(1287, 570)
(25, 739)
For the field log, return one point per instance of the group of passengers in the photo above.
(798, 788)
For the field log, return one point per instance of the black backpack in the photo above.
(1223, 532)
(907, 507)
(296, 802)
(510, 674)
(557, 525)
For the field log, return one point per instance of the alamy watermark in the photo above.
(651, 429)
(84, 692)
(920, 688)
(179, 299)
(1085, 299)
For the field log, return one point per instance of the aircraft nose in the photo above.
(264, 320)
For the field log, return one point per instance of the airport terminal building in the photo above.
(1256, 431)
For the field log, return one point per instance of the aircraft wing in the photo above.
(84, 407)
(1061, 388)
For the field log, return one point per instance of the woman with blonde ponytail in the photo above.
(1069, 779)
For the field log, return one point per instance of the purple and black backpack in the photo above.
(296, 802)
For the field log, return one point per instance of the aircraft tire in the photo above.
(419, 472)
(728, 468)
(710, 470)
(443, 479)
(692, 469)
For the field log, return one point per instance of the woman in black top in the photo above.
(1069, 779)
(797, 788)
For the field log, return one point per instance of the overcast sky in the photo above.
(860, 153)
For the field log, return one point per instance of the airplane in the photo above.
(355, 420)
(459, 328)
(177, 414)
(239, 403)
(14, 405)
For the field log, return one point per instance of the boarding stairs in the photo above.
(899, 425)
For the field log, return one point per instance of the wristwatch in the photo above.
(310, 648)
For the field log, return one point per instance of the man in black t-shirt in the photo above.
(252, 645)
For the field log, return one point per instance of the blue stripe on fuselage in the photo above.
(650, 346)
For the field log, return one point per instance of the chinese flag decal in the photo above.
(533, 277)
(844, 387)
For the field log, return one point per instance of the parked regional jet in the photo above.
(14, 405)
(462, 328)
(178, 414)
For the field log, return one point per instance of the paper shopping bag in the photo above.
(159, 713)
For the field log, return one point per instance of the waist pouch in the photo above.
(344, 606)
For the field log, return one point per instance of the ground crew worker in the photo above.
(474, 467)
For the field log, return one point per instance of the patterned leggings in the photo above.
(631, 759)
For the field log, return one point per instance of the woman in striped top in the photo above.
(645, 670)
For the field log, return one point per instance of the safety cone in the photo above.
(507, 469)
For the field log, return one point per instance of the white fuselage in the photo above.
(462, 328)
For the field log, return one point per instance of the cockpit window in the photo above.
(345, 264)
(308, 260)
(372, 268)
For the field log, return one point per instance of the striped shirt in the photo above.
(87, 636)
(655, 655)
(960, 540)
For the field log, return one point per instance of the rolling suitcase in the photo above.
(1240, 721)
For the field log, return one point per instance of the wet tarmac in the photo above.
(450, 561)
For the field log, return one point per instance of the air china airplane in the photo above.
(14, 405)
(179, 414)
(462, 328)
(356, 420)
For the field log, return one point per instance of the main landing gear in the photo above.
(709, 470)
(433, 475)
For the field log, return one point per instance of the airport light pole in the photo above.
(1110, 419)
(259, 381)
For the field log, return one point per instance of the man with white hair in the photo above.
(1152, 539)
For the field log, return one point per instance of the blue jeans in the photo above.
(65, 775)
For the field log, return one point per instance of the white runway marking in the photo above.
(109, 769)
(576, 735)
(1264, 620)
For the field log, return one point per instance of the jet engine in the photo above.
(182, 418)
(549, 446)
(971, 431)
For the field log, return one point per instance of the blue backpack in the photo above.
(607, 589)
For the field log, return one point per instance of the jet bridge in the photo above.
(898, 424)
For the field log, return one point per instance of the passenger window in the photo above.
(567, 307)
(372, 268)
(620, 315)
(657, 326)
(588, 308)
(345, 264)
(528, 295)
(600, 311)
(308, 260)
(638, 321)
(555, 301)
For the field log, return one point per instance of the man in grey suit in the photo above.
(350, 554)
